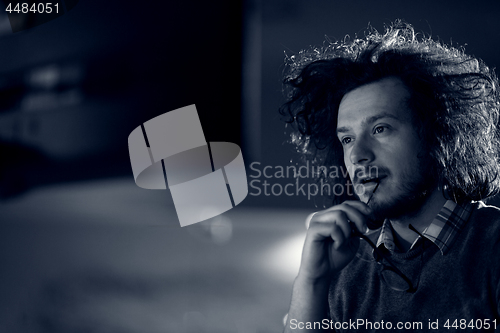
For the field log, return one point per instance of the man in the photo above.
(415, 124)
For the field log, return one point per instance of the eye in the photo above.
(379, 129)
(346, 140)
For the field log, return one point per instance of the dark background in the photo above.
(84, 249)
(74, 88)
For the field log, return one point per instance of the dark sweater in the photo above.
(462, 284)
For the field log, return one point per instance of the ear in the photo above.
(445, 188)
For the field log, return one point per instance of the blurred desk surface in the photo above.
(108, 256)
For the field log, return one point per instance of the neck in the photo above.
(421, 220)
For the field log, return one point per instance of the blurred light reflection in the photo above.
(284, 258)
(218, 230)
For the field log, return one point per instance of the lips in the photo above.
(370, 180)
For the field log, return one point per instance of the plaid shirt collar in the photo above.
(442, 231)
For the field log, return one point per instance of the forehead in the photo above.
(387, 96)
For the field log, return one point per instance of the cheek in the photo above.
(347, 160)
(349, 168)
(406, 148)
(409, 163)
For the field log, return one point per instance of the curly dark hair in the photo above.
(454, 103)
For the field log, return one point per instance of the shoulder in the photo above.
(483, 213)
(483, 226)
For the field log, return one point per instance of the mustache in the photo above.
(370, 171)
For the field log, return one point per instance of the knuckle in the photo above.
(313, 224)
(338, 213)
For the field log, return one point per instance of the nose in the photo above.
(361, 152)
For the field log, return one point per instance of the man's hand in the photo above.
(328, 248)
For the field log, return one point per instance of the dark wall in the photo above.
(75, 87)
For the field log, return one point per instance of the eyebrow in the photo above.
(370, 120)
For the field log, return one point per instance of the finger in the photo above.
(359, 205)
(319, 231)
(352, 212)
(372, 221)
(335, 221)
(338, 235)
(366, 210)
(309, 218)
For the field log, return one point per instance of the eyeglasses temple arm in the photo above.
(356, 233)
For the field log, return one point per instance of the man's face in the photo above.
(381, 147)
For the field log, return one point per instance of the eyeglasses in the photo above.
(390, 273)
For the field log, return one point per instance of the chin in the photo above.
(398, 207)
